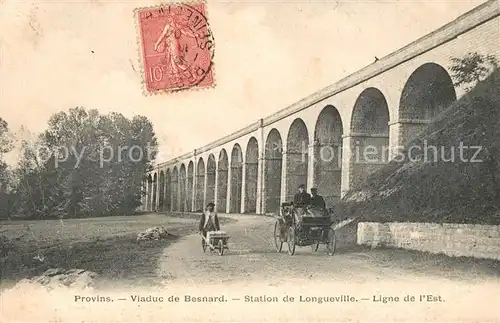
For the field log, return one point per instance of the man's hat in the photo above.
(314, 189)
(302, 186)
(210, 204)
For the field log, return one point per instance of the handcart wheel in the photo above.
(221, 247)
(332, 242)
(315, 246)
(278, 242)
(291, 240)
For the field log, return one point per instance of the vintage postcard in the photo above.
(249, 161)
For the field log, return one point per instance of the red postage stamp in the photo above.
(177, 46)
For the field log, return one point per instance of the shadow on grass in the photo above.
(118, 260)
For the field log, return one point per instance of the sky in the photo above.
(56, 55)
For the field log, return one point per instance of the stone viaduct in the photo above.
(317, 140)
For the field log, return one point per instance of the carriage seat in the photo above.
(316, 221)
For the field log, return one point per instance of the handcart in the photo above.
(215, 240)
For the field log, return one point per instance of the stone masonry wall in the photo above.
(470, 240)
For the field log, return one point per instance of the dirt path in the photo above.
(252, 257)
(257, 284)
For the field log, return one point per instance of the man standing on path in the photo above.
(209, 220)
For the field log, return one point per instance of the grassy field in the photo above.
(106, 246)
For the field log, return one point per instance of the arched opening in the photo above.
(370, 113)
(296, 157)
(200, 185)
(155, 188)
(428, 91)
(144, 190)
(369, 135)
(189, 190)
(168, 191)
(211, 169)
(149, 193)
(251, 175)
(175, 189)
(222, 180)
(236, 179)
(182, 188)
(272, 171)
(161, 197)
(328, 155)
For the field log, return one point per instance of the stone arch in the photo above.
(369, 136)
(328, 154)
(222, 180)
(149, 193)
(182, 189)
(161, 193)
(211, 170)
(168, 191)
(175, 189)
(370, 113)
(272, 171)
(428, 91)
(189, 189)
(155, 192)
(200, 185)
(251, 175)
(296, 157)
(236, 175)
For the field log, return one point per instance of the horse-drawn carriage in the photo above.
(311, 228)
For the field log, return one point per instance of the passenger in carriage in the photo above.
(300, 201)
(301, 198)
(317, 201)
(209, 220)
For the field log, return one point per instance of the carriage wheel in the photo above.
(291, 240)
(278, 242)
(315, 246)
(332, 242)
(221, 247)
(203, 245)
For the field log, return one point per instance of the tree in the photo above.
(5, 140)
(5, 147)
(94, 166)
(469, 71)
(472, 69)
(5, 174)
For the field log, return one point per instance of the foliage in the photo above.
(469, 70)
(5, 174)
(5, 141)
(85, 164)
